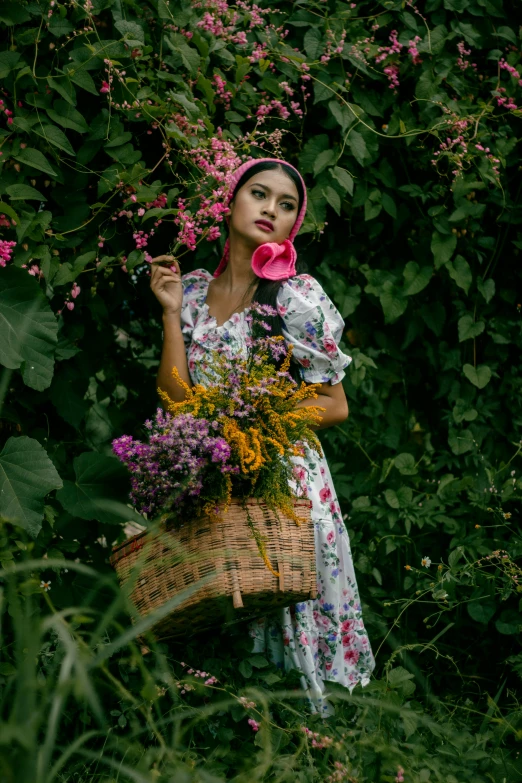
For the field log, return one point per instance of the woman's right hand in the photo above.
(166, 285)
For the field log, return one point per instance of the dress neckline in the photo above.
(212, 318)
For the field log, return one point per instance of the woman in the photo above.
(325, 638)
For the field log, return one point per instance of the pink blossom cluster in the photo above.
(4, 221)
(494, 161)
(504, 100)
(8, 113)
(340, 774)
(74, 292)
(394, 48)
(260, 52)
(106, 84)
(34, 270)
(276, 106)
(209, 678)
(254, 724)
(505, 66)
(6, 250)
(221, 21)
(413, 51)
(223, 95)
(331, 46)
(462, 63)
(141, 238)
(248, 705)
(219, 28)
(319, 741)
(186, 127)
(400, 775)
(255, 12)
(392, 73)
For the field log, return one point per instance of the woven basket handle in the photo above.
(237, 599)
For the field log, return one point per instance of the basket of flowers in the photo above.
(234, 536)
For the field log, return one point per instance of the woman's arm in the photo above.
(173, 354)
(168, 289)
(333, 398)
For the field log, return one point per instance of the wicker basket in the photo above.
(234, 582)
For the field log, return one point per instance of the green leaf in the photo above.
(54, 136)
(29, 328)
(344, 179)
(8, 61)
(24, 192)
(323, 159)
(313, 43)
(83, 79)
(130, 30)
(358, 147)
(415, 278)
(26, 476)
(12, 13)
(372, 207)
(468, 328)
(392, 302)
(482, 610)
(68, 117)
(59, 26)
(64, 88)
(405, 464)
(245, 668)
(99, 491)
(350, 301)
(7, 210)
(486, 288)
(36, 160)
(311, 150)
(507, 33)
(479, 377)
(258, 661)
(389, 205)
(191, 59)
(442, 246)
(461, 442)
(206, 87)
(460, 272)
(391, 498)
(333, 198)
(509, 623)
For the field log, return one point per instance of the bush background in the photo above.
(413, 230)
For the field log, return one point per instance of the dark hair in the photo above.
(266, 290)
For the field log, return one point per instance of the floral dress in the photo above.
(325, 638)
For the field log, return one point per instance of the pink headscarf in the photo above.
(270, 260)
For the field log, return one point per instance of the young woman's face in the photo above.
(264, 209)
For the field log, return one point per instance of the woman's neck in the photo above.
(238, 274)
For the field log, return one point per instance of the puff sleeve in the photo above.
(314, 326)
(195, 285)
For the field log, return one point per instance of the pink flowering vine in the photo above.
(6, 250)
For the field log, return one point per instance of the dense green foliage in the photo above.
(403, 119)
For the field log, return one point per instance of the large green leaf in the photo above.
(54, 136)
(100, 490)
(67, 116)
(36, 160)
(29, 328)
(480, 376)
(24, 193)
(416, 278)
(442, 246)
(26, 476)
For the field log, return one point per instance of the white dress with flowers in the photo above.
(325, 639)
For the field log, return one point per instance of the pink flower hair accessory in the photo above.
(272, 261)
(272, 264)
